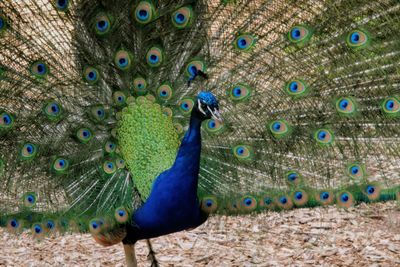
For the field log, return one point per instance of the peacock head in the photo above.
(206, 107)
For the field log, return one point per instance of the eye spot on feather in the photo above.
(97, 113)
(167, 112)
(300, 198)
(6, 121)
(279, 128)
(109, 167)
(248, 204)
(144, 12)
(121, 215)
(2, 24)
(102, 24)
(372, 191)
(155, 56)
(60, 165)
(240, 92)
(123, 59)
(345, 106)
(91, 75)
(266, 202)
(29, 199)
(84, 135)
(358, 39)
(325, 197)
(182, 17)
(324, 137)
(284, 202)
(300, 34)
(28, 151)
(356, 171)
(244, 42)
(62, 5)
(209, 204)
(164, 92)
(39, 69)
(193, 68)
(243, 152)
(140, 85)
(110, 147)
(37, 231)
(186, 105)
(391, 107)
(50, 225)
(52, 110)
(296, 88)
(119, 98)
(120, 163)
(14, 225)
(214, 126)
(293, 178)
(345, 199)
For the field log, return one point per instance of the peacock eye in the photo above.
(357, 39)
(299, 34)
(123, 60)
(97, 113)
(140, 85)
(345, 106)
(243, 152)
(244, 42)
(356, 171)
(240, 92)
(102, 24)
(91, 75)
(2, 24)
(109, 167)
(391, 106)
(121, 215)
(324, 137)
(29, 199)
(193, 68)
(119, 98)
(62, 5)
(182, 17)
(39, 69)
(28, 151)
(296, 88)
(186, 105)
(165, 92)
(60, 165)
(279, 128)
(154, 56)
(6, 120)
(144, 12)
(84, 135)
(52, 110)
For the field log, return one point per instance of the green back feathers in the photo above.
(142, 130)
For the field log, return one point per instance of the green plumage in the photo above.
(309, 93)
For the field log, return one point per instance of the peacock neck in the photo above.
(190, 148)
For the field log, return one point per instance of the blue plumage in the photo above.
(173, 204)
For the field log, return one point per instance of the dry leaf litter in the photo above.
(367, 235)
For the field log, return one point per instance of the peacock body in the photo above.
(103, 127)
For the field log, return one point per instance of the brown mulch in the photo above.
(367, 235)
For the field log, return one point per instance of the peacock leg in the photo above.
(130, 255)
(152, 256)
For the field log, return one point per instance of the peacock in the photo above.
(132, 119)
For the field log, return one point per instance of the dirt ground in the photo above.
(367, 235)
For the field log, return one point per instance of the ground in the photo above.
(367, 235)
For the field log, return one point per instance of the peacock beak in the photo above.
(216, 115)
